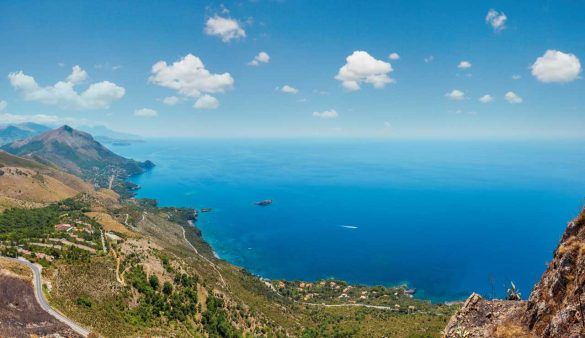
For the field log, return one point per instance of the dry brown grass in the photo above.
(109, 223)
(15, 269)
(30, 185)
(8, 202)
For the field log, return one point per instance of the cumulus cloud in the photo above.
(38, 118)
(145, 112)
(206, 102)
(464, 65)
(262, 57)
(289, 89)
(226, 28)
(98, 95)
(429, 59)
(513, 98)
(171, 100)
(394, 56)
(327, 114)
(77, 75)
(556, 66)
(455, 95)
(516, 77)
(361, 67)
(486, 98)
(3, 105)
(189, 77)
(496, 19)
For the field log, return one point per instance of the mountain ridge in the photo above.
(77, 152)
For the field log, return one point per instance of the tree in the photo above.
(167, 288)
(153, 280)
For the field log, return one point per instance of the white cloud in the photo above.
(429, 59)
(171, 100)
(189, 77)
(556, 66)
(456, 95)
(262, 57)
(362, 67)
(394, 56)
(206, 102)
(289, 90)
(496, 19)
(98, 95)
(3, 105)
(38, 118)
(226, 28)
(107, 66)
(513, 98)
(464, 65)
(516, 77)
(327, 114)
(487, 98)
(77, 75)
(145, 112)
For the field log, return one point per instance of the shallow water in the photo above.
(446, 217)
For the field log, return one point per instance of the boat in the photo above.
(205, 209)
(264, 203)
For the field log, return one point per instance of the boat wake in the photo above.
(349, 226)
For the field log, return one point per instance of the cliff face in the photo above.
(557, 304)
(555, 308)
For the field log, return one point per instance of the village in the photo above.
(332, 292)
(67, 234)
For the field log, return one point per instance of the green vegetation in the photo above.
(216, 322)
(179, 304)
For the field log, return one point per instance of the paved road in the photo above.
(38, 286)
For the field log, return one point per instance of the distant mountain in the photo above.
(105, 135)
(12, 132)
(76, 152)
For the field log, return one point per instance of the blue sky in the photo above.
(531, 51)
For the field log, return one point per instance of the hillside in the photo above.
(27, 183)
(555, 308)
(13, 132)
(78, 153)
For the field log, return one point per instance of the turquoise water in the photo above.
(446, 217)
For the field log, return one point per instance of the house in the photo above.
(112, 236)
(63, 227)
(41, 255)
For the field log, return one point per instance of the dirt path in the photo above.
(205, 258)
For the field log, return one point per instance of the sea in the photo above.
(445, 217)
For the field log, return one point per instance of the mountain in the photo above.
(76, 152)
(12, 132)
(105, 135)
(555, 308)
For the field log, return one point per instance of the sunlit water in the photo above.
(446, 217)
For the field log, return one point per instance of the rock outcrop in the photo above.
(555, 308)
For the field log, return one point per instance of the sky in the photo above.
(296, 69)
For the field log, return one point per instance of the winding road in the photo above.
(38, 286)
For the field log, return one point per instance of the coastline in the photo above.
(199, 233)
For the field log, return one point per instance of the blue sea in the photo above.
(445, 217)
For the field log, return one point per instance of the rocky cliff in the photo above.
(555, 308)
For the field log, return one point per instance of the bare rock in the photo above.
(555, 308)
